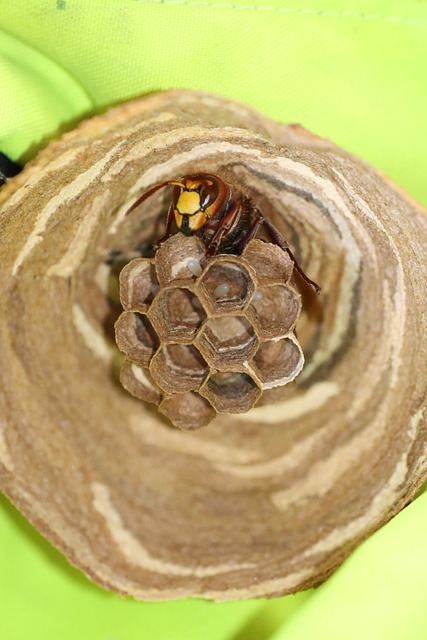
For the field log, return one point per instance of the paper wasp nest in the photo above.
(206, 336)
(260, 503)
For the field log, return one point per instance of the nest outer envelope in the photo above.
(262, 504)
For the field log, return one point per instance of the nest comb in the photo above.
(207, 336)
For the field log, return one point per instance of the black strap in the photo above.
(8, 168)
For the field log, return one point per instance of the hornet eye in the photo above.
(176, 193)
(208, 194)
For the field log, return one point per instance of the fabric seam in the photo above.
(415, 21)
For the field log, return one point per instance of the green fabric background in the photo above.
(351, 71)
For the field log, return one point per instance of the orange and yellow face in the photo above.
(196, 200)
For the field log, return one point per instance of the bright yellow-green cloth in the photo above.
(351, 71)
(354, 71)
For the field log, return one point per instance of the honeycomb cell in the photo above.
(178, 368)
(136, 337)
(138, 285)
(227, 342)
(177, 315)
(231, 392)
(139, 383)
(177, 258)
(226, 286)
(217, 334)
(277, 362)
(274, 311)
(188, 411)
(270, 263)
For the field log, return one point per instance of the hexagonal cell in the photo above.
(187, 411)
(274, 395)
(178, 368)
(138, 285)
(139, 383)
(177, 315)
(136, 337)
(231, 392)
(227, 342)
(177, 259)
(274, 310)
(270, 263)
(226, 285)
(277, 362)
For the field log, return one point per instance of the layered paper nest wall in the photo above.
(259, 504)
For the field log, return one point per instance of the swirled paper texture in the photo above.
(263, 504)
